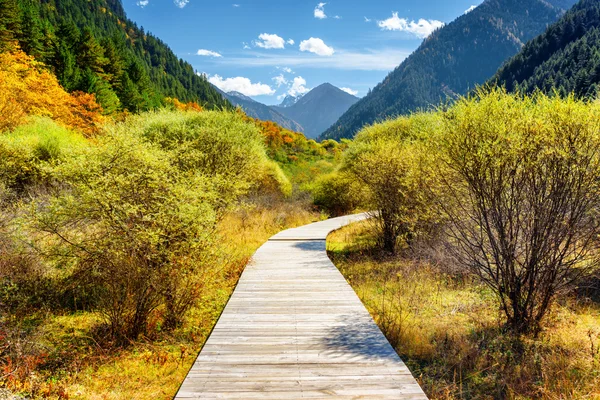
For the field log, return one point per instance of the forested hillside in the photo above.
(565, 58)
(92, 47)
(453, 60)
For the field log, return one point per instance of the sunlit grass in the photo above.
(447, 328)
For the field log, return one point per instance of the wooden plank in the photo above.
(295, 329)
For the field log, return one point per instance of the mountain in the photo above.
(318, 109)
(452, 60)
(260, 111)
(565, 58)
(290, 100)
(92, 47)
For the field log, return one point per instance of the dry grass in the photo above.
(71, 363)
(447, 328)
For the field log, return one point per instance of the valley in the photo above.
(208, 200)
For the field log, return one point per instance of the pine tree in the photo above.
(10, 23)
(90, 54)
(31, 36)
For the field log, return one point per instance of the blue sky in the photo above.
(269, 48)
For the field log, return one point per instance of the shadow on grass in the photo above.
(589, 289)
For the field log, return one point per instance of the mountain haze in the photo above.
(452, 60)
(318, 109)
(565, 58)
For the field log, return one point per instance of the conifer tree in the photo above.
(10, 23)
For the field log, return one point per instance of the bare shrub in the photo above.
(523, 196)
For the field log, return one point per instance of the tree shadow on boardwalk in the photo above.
(361, 339)
(311, 245)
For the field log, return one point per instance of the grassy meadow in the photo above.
(447, 328)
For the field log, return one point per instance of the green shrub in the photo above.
(27, 150)
(138, 229)
(138, 211)
(390, 162)
(521, 174)
(336, 194)
(216, 144)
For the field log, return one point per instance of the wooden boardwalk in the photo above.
(295, 329)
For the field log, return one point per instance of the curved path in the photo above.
(295, 329)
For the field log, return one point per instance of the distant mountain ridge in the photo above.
(318, 109)
(452, 60)
(565, 58)
(261, 111)
(290, 100)
(310, 113)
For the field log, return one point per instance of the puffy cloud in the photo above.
(270, 41)
(242, 85)
(320, 11)
(298, 87)
(468, 10)
(280, 80)
(287, 69)
(291, 42)
(181, 3)
(422, 28)
(208, 53)
(337, 17)
(143, 3)
(350, 91)
(317, 46)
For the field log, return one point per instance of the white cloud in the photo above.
(468, 10)
(317, 46)
(143, 3)
(236, 5)
(337, 17)
(208, 53)
(181, 3)
(422, 28)
(298, 87)
(242, 85)
(320, 11)
(270, 41)
(291, 42)
(288, 70)
(350, 91)
(368, 19)
(280, 80)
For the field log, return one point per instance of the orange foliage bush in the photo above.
(190, 106)
(26, 88)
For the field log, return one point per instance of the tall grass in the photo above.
(447, 328)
